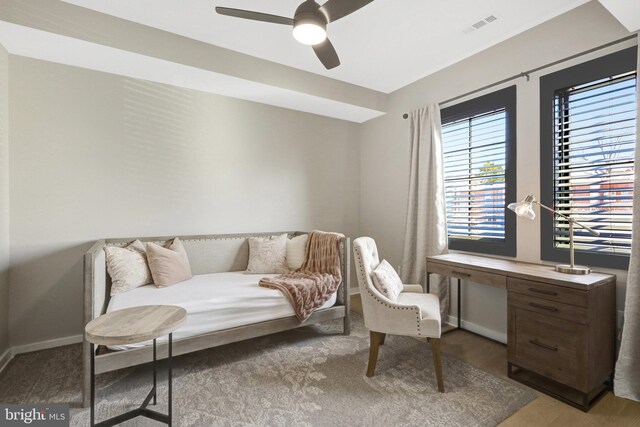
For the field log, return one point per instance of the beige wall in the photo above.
(4, 201)
(385, 149)
(96, 155)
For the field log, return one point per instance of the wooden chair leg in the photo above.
(437, 362)
(373, 351)
(383, 336)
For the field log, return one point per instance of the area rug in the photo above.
(312, 376)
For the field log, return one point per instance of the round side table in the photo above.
(129, 326)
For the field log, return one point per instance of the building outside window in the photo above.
(479, 141)
(588, 137)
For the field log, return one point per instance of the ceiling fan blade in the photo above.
(326, 54)
(336, 9)
(254, 16)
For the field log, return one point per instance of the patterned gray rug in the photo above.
(311, 376)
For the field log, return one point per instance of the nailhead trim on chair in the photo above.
(361, 273)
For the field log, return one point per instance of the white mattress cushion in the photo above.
(214, 302)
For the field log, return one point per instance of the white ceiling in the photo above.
(627, 12)
(384, 46)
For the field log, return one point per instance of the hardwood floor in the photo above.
(543, 411)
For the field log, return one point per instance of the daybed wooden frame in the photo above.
(96, 297)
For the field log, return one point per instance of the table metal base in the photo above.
(142, 410)
(459, 327)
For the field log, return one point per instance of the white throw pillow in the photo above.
(387, 281)
(296, 250)
(127, 267)
(267, 255)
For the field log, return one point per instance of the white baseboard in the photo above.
(36, 346)
(5, 359)
(478, 329)
(354, 291)
(44, 345)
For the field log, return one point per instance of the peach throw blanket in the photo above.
(318, 278)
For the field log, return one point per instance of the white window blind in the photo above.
(594, 140)
(474, 176)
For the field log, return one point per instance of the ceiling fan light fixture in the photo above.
(309, 32)
(309, 23)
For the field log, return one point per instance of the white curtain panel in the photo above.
(627, 377)
(426, 223)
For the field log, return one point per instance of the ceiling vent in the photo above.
(488, 20)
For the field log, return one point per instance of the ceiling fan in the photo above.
(309, 23)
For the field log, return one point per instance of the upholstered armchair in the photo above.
(414, 313)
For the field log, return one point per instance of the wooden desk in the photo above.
(561, 327)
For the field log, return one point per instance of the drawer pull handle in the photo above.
(460, 273)
(548, 347)
(543, 307)
(542, 291)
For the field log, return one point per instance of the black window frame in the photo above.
(614, 64)
(502, 99)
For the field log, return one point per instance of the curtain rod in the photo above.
(526, 74)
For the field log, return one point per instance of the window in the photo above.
(588, 125)
(479, 143)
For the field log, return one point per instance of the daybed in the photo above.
(224, 305)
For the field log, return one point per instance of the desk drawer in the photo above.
(555, 309)
(549, 347)
(548, 292)
(476, 276)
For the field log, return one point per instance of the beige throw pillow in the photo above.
(296, 250)
(387, 281)
(168, 265)
(267, 255)
(127, 267)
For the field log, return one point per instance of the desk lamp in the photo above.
(525, 210)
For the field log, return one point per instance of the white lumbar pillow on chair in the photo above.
(387, 281)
